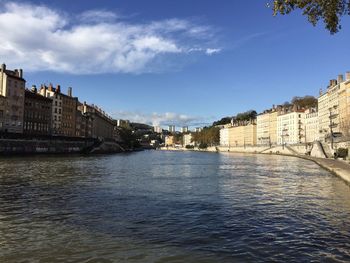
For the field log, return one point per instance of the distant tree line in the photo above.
(305, 102)
(208, 136)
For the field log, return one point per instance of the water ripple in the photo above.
(171, 207)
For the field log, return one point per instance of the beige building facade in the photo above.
(169, 140)
(328, 110)
(267, 125)
(273, 126)
(344, 105)
(291, 128)
(12, 86)
(187, 139)
(263, 128)
(311, 125)
(244, 135)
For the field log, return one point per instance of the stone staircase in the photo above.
(327, 150)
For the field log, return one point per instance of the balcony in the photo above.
(333, 115)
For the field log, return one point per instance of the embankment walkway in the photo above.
(338, 167)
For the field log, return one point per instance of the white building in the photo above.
(157, 129)
(224, 137)
(328, 109)
(311, 125)
(291, 128)
(187, 139)
(263, 128)
(171, 128)
(184, 129)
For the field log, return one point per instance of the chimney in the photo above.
(58, 89)
(70, 91)
(348, 75)
(16, 73)
(21, 73)
(3, 67)
(340, 78)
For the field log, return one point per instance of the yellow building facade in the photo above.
(344, 106)
(169, 140)
(242, 135)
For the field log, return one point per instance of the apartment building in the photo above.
(56, 117)
(224, 137)
(263, 128)
(187, 139)
(267, 125)
(311, 125)
(171, 128)
(291, 127)
(12, 86)
(344, 105)
(157, 129)
(184, 129)
(169, 140)
(328, 110)
(243, 135)
(99, 124)
(69, 113)
(83, 122)
(64, 110)
(37, 113)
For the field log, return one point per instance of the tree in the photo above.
(223, 121)
(305, 102)
(330, 11)
(178, 138)
(209, 136)
(245, 116)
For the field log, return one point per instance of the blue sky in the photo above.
(164, 62)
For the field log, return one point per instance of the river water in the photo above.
(158, 206)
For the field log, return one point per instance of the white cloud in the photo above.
(211, 51)
(39, 38)
(162, 119)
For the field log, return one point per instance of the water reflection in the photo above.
(171, 207)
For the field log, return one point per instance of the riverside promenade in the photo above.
(338, 167)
